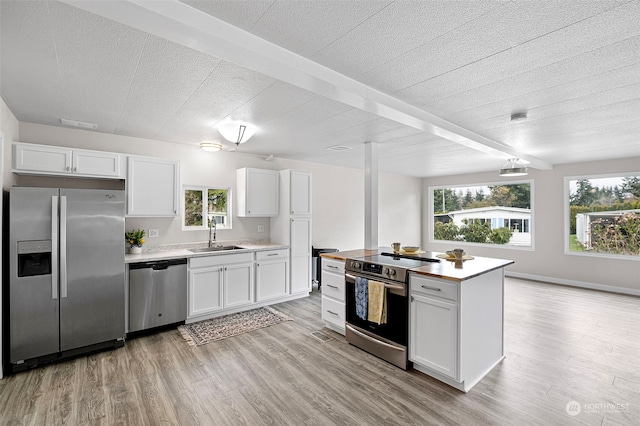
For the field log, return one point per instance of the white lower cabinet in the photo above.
(333, 294)
(456, 328)
(433, 340)
(238, 285)
(272, 274)
(300, 255)
(205, 290)
(219, 282)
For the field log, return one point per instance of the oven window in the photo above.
(396, 328)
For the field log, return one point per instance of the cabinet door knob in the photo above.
(68, 168)
(75, 169)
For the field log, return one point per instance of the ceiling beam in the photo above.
(185, 25)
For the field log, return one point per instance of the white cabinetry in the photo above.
(293, 226)
(456, 328)
(333, 294)
(219, 282)
(300, 192)
(272, 274)
(205, 290)
(152, 187)
(434, 338)
(54, 160)
(257, 192)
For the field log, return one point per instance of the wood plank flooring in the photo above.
(562, 344)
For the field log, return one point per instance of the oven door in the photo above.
(387, 341)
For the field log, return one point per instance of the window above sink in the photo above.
(205, 206)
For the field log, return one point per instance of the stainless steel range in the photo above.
(388, 340)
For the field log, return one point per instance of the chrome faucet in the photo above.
(212, 227)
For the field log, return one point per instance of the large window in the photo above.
(497, 214)
(204, 207)
(603, 215)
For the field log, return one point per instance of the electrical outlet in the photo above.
(154, 233)
(260, 228)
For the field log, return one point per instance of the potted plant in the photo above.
(135, 239)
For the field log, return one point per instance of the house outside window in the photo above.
(496, 214)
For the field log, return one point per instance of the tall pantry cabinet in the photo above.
(293, 226)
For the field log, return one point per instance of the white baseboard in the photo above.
(572, 283)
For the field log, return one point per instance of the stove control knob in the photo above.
(390, 271)
(355, 265)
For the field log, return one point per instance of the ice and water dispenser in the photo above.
(34, 258)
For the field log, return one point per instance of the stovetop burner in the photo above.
(386, 266)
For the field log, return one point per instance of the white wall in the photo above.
(338, 192)
(8, 132)
(547, 261)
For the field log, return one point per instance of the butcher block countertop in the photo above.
(445, 269)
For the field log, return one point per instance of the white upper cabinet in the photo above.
(152, 187)
(54, 160)
(96, 163)
(257, 192)
(300, 192)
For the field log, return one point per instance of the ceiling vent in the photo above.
(79, 124)
(519, 116)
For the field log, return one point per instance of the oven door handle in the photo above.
(389, 286)
(371, 339)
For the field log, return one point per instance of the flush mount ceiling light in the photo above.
(236, 132)
(514, 167)
(79, 124)
(339, 148)
(210, 146)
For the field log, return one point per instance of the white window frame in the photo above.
(567, 219)
(205, 213)
(432, 189)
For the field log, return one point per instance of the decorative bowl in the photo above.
(410, 249)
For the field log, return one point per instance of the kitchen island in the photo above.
(455, 313)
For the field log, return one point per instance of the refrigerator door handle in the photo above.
(63, 246)
(54, 246)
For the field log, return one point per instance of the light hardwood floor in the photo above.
(562, 344)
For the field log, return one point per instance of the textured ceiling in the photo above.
(463, 65)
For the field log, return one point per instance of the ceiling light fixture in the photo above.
(514, 167)
(80, 124)
(338, 148)
(210, 146)
(236, 132)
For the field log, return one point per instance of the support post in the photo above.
(371, 195)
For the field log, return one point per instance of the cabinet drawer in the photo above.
(433, 287)
(335, 266)
(272, 254)
(216, 260)
(333, 285)
(333, 312)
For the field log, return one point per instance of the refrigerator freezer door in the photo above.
(33, 303)
(92, 295)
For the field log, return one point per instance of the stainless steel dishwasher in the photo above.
(157, 293)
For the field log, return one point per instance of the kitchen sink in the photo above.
(210, 249)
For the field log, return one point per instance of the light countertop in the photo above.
(179, 253)
(446, 269)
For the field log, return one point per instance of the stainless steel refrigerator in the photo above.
(67, 273)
